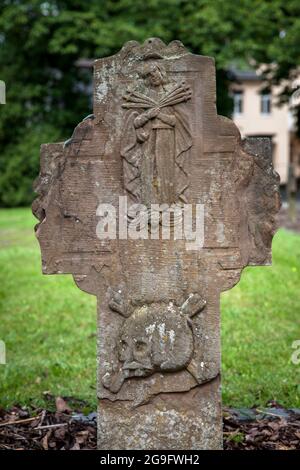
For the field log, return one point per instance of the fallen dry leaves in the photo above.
(63, 429)
(267, 432)
(46, 430)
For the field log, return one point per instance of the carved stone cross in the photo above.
(112, 203)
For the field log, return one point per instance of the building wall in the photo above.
(276, 124)
(295, 155)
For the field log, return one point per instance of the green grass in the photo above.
(47, 323)
(260, 321)
(49, 326)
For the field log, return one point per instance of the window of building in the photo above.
(265, 103)
(238, 102)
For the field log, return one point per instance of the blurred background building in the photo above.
(257, 112)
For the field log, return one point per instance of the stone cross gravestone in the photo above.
(155, 206)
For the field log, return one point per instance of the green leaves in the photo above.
(19, 163)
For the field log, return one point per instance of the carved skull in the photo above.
(156, 337)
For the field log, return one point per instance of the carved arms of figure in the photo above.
(141, 120)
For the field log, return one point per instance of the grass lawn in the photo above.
(49, 326)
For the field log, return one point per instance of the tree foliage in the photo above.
(40, 42)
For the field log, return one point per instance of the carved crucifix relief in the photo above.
(155, 139)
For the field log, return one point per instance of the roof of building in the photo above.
(242, 75)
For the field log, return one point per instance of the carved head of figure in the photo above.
(155, 74)
(155, 337)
